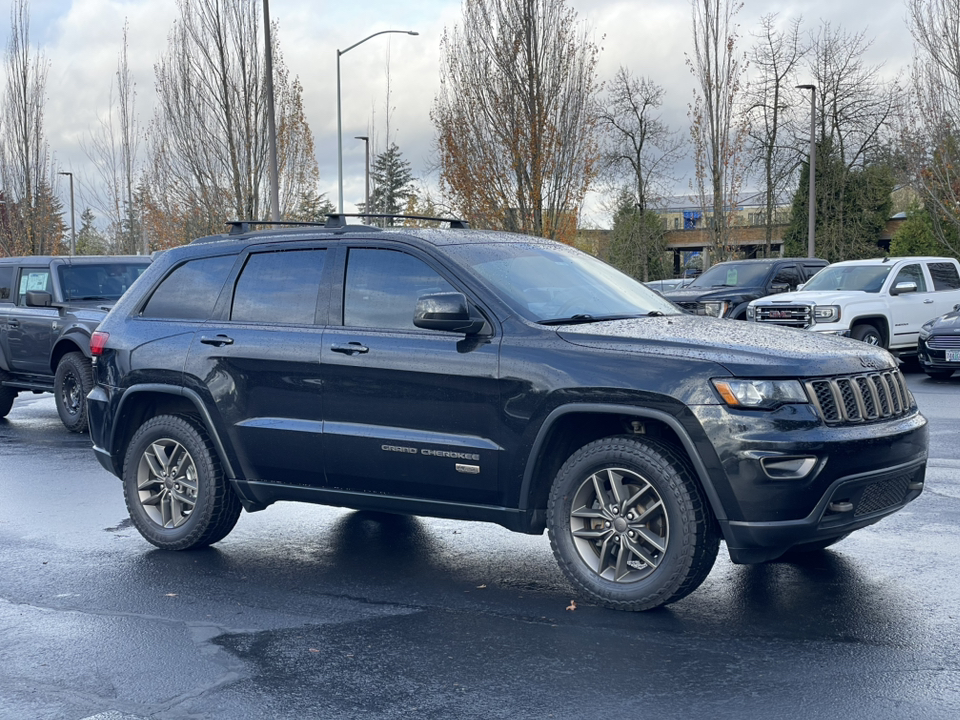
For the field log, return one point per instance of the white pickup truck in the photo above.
(882, 301)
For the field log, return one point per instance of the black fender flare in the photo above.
(638, 411)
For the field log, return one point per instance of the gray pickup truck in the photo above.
(49, 306)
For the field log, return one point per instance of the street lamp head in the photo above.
(806, 87)
(361, 137)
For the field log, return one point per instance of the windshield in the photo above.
(98, 281)
(544, 282)
(865, 278)
(732, 275)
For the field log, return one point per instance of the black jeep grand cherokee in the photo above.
(496, 377)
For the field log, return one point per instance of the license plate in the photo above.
(953, 355)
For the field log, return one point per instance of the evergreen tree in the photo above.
(312, 207)
(916, 236)
(89, 239)
(392, 183)
(638, 242)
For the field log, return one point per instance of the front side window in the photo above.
(911, 273)
(33, 279)
(191, 290)
(788, 276)
(279, 288)
(382, 288)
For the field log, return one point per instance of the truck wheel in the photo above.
(867, 333)
(74, 379)
(174, 487)
(7, 396)
(628, 524)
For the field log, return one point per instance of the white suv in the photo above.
(883, 301)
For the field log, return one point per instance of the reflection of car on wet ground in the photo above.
(939, 345)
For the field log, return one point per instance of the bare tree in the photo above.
(931, 135)
(114, 152)
(773, 104)
(209, 136)
(515, 116)
(718, 127)
(31, 219)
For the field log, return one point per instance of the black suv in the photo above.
(494, 377)
(726, 288)
(48, 307)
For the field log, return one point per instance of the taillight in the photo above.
(98, 341)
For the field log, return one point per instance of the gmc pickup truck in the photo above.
(49, 306)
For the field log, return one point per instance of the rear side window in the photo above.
(944, 276)
(191, 290)
(279, 287)
(6, 284)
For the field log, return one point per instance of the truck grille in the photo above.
(944, 342)
(799, 316)
(860, 398)
(694, 308)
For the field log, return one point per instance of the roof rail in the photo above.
(338, 219)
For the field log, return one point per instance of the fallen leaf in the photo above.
(480, 587)
(572, 606)
(170, 595)
(314, 650)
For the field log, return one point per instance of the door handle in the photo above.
(353, 348)
(218, 341)
(13, 323)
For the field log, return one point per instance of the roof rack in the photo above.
(338, 219)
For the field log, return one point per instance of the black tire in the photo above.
(7, 396)
(868, 333)
(939, 374)
(71, 384)
(175, 490)
(664, 522)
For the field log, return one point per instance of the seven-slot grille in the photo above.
(860, 398)
(800, 316)
(944, 342)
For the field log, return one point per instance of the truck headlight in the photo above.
(759, 394)
(751, 312)
(826, 313)
(716, 309)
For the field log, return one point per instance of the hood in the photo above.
(744, 349)
(948, 324)
(700, 294)
(817, 297)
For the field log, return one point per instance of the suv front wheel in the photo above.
(628, 523)
(174, 488)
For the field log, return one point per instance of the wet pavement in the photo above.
(313, 612)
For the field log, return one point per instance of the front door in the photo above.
(407, 412)
(30, 330)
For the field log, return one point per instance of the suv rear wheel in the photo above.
(74, 379)
(628, 524)
(174, 488)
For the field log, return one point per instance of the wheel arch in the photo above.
(140, 402)
(880, 322)
(76, 341)
(570, 427)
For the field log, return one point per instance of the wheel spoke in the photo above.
(633, 499)
(642, 517)
(587, 513)
(154, 462)
(590, 534)
(622, 569)
(604, 556)
(600, 493)
(616, 487)
(651, 539)
(643, 555)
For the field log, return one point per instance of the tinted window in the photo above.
(911, 273)
(107, 281)
(6, 284)
(383, 286)
(279, 287)
(33, 279)
(732, 275)
(190, 291)
(865, 278)
(787, 275)
(944, 276)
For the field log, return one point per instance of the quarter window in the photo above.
(190, 291)
(383, 286)
(944, 276)
(279, 287)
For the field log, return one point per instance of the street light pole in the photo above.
(271, 120)
(339, 116)
(73, 217)
(812, 218)
(366, 173)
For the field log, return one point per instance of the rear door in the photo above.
(407, 412)
(945, 281)
(259, 363)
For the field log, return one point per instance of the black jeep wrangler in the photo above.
(494, 377)
(48, 308)
(726, 288)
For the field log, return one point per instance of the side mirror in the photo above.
(447, 312)
(38, 298)
(779, 288)
(800, 286)
(903, 287)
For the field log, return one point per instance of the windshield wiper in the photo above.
(584, 318)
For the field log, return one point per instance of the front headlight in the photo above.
(759, 394)
(926, 328)
(751, 312)
(716, 309)
(826, 313)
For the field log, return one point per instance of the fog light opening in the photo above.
(787, 468)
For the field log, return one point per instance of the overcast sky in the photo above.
(82, 40)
